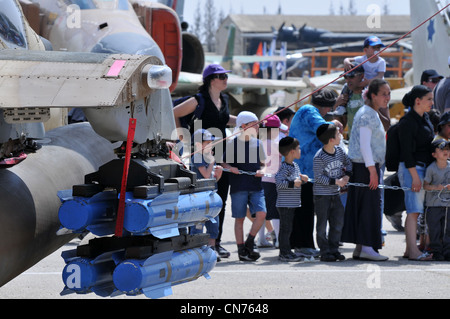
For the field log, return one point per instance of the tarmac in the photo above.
(269, 278)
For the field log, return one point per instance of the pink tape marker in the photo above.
(115, 69)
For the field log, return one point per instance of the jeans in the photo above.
(286, 220)
(329, 209)
(413, 200)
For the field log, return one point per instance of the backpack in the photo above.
(392, 158)
(187, 121)
(392, 148)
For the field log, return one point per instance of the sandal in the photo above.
(423, 257)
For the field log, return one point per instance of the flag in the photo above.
(256, 64)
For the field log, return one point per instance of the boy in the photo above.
(288, 182)
(375, 67)
(202, 163)
(437, 179)
(332, 170)
(245, 152)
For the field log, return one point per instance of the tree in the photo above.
(196, 29)
(351, 8)
(332, 13)
(209, 26)
(385, 8)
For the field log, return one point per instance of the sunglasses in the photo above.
(222, 76)
(350, 76)
(434, 80)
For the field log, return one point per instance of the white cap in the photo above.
(245, 117)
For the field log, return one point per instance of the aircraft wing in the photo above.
(69, 79)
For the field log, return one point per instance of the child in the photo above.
(332, 169)
(285, 115)
(288, 181)
(375, 67)
(437, 178)
(271, 126)
(246, 153)
(202, 163)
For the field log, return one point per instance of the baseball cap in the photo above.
(203, 135)
(271, 120)
(372, 41)
(214, 69)
(445, 118)
(429, 74)
(439, 143)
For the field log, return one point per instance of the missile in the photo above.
(85, 275)
(160, 216)
(155, 276)
(163, 215)
(111, 266)
(95, 214)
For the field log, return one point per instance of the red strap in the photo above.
(123, 189)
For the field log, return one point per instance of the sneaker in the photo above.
(263, 243)
(222, 252)
(291, 257)
(217, 253)
(328, 257)
(272, 236)
(339, 256)
(307, 252)
(245, 255)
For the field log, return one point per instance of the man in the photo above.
(430, 78)
(442, 94)
(350, 99)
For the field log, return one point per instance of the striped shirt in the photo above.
(287, 194)
(328, 168)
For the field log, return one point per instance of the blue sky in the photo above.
(320, 7)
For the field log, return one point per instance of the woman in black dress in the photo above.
(215, 118)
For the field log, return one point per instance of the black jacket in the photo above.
(415, 133)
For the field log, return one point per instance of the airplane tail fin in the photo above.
(227, 59)
(431, 42)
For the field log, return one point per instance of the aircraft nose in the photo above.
(129, 43)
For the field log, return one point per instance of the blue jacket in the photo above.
(304, 125)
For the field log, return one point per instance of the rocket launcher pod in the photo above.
(155, 276)
(90, 268)
(85, 275)
(96, 214)
(163, 215)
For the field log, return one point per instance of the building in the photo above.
(252, 29)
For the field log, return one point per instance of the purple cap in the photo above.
(271, 121)
(214, 69)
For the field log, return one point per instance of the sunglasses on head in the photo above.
(350, 76)
(222, 76)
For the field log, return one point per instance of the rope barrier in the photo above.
(382, 186)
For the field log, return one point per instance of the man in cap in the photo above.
(430, 78)
(350, 100)
(442, 94)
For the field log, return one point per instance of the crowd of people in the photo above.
(298, 166)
